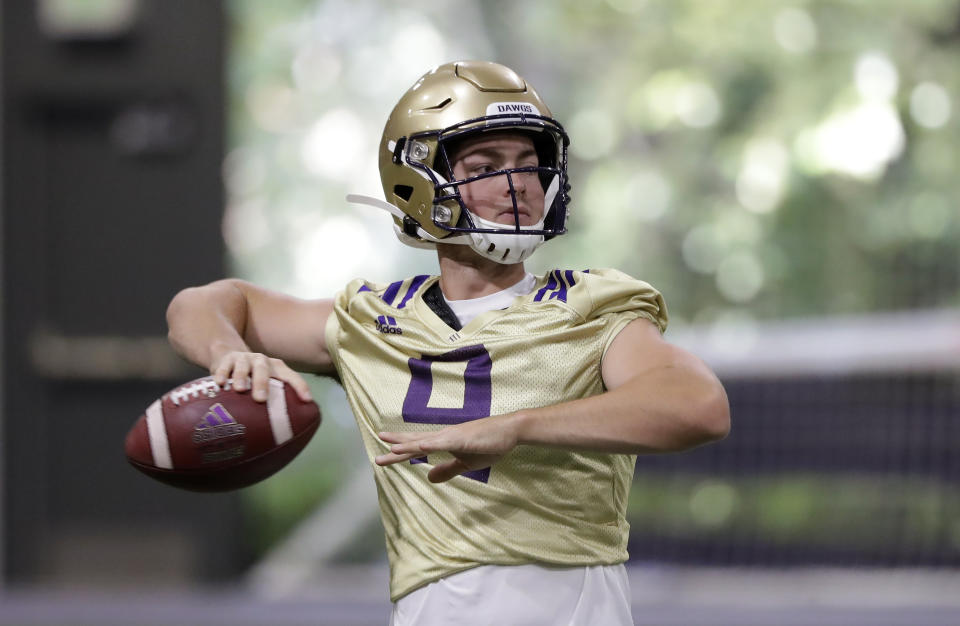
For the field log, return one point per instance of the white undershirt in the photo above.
(466, 310)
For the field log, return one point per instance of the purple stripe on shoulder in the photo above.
(551, 284)
(414, 285)
(391, 293)
(561, 292)
(363, 288)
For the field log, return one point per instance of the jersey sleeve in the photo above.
(619, 299)
(339, 317)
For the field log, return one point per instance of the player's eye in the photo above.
(480, 168)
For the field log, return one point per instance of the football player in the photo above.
(501, 411)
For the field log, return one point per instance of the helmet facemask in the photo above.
(501, 242)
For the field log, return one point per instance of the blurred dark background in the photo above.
(112, 146)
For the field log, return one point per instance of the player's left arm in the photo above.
(659, 398)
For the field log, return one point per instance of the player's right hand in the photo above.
(257, 369)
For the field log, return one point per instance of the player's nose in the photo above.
(514, 181)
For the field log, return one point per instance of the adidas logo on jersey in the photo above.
(388, 325)
(217, 424)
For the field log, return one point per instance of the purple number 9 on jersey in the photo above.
(476, 393)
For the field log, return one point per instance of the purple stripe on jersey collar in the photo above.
(551, 284)
(394, 288)
(559, 282)
(391, 292)
(414, 285)
(561, 292)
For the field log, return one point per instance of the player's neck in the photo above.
(464, 274)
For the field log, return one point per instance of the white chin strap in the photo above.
(507, 248)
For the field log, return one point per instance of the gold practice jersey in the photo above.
(404, 369)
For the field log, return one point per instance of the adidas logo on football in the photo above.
(217, 424)
(388, 325)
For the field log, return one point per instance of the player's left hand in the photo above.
(474, 445)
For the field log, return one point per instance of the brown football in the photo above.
(204, 437)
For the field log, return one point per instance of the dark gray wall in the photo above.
(111, 202)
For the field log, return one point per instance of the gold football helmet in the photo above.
(446, 105)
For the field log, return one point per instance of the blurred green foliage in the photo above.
(774, 158)
(754, 159)
(859, 514)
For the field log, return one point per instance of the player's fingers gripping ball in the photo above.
(252, 371)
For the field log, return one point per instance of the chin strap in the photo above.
(507, 248)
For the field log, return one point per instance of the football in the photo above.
(204, 437)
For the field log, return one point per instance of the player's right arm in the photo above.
(237, 330)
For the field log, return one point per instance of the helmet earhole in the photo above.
(403, 191)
